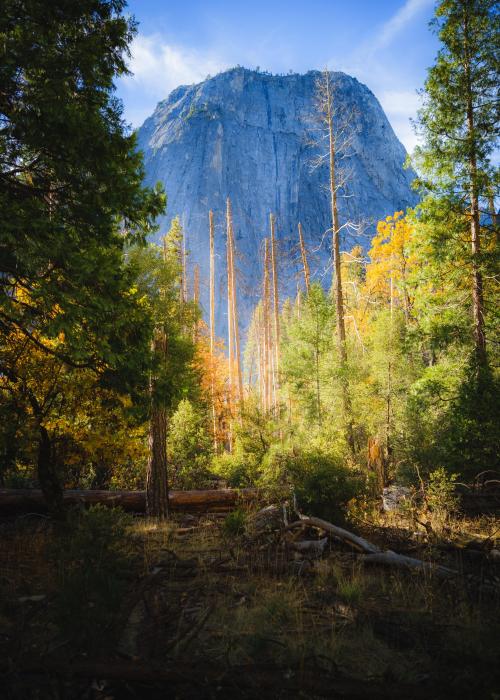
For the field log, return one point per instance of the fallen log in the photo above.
(16, 501)
(401, 561)
(373, 554)
(358, 543)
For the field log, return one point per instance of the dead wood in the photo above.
(310, 548)
(14, 501)
(372, 553)
(401, 561)
(350, 538)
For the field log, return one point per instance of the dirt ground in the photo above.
(210, 610)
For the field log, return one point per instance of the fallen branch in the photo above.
(401, 561)
(358, 543)
(372, 553)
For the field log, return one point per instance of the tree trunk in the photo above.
(230, 325)
(339, 301)
(14, 501)
(47, 477)
(267, 331)
(212, 324)
(275, 313)
(477, 278)
(234, 305)
(303, 254)
(157, 474)
(196, 298)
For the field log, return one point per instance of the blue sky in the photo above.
(386, 44)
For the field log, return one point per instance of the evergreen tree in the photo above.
(159, 283)
(460, 124)
(71, 194)
(307, 350)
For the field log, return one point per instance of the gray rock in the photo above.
(246, 135)
(395, 497)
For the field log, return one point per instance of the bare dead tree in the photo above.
(230, 324)
(212, 322)
(337, 130)
(276, 354)
(267, 330)
(303, 254)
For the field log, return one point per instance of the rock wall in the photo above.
(247, 135)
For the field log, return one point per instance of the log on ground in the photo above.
(17, 501)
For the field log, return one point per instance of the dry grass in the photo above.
(199, 595)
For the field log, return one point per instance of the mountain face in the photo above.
(250, 136)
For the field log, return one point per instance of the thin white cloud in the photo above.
(159, 67)
(400, 106)
(398, 21)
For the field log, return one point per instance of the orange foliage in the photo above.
(214, 374)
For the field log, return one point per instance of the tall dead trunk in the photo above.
(267, 330)
(234, 303)
(337, 268)
(303, 254)
(230, 324)
(212, 324)
(276, 356)
(388, 417)
(260, 350)
(196, 297)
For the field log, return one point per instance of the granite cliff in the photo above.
(247, 135)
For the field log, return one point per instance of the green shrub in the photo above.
(234, 523)
(322, 484)
(92, 560)
(441, 496)
(237, 469)
(189, 448)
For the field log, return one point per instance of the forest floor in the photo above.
(203, 612)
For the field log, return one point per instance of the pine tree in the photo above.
(459, 122)
(72, 195)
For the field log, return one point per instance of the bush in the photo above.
(92, 560)
(238, 469)
(234, 523)
(322, 484)
(441, 497)
(189, 448)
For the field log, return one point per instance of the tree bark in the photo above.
(47, 477)
(303, 254)
(212, 324)
(230, 325)
(275, 312)
(14, 501)
(477, 278)
(234, 305)
(156, 473)
(267, 331)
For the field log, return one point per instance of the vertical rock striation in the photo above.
(247, 135)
